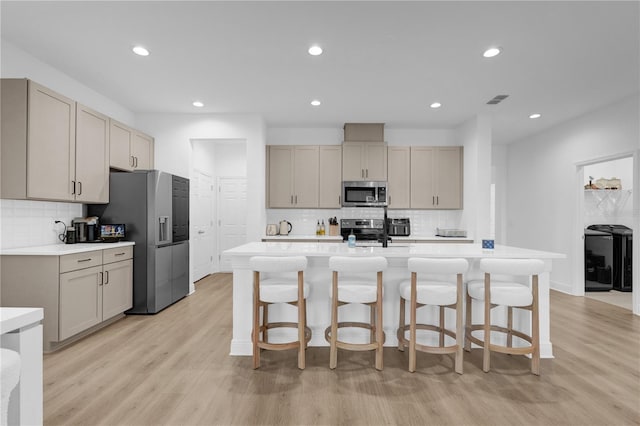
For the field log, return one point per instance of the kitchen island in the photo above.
(318, 276)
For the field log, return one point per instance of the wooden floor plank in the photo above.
(173, 368)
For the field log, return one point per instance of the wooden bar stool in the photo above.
(439, 284)
(351, 285)
(512, 294)
(278, 287)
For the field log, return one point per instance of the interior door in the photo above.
(202, 236)
(232, 216)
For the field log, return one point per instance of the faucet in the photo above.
(385, 229)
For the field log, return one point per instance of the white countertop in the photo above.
(62, 249)
(15, 318)
(395, 250)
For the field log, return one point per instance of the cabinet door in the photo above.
(120, 138)
(80, 300)
(330, 176)
(399, 177)
(352, 165)
(375, 161)
(142, 151)
(448, 169)
(305, 176)
(51, 144)
(422, 183)
(92, 156)
(117, 290)
(280, 176)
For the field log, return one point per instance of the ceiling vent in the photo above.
(497, 99)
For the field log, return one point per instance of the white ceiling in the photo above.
(382, 62)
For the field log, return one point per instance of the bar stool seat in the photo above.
(435, 282)
(350, 284)
(283, 283)
(511, 294)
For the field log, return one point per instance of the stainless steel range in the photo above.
(372, 229)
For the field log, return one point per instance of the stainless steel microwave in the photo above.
(364, 193)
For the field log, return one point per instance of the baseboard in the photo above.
(563, 287)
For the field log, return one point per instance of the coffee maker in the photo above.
(87, 229)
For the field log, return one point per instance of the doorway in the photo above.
(598, 205)
(218, 170)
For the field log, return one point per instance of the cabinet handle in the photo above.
(296, 199)
(79, 188)
(131, 160)
(437, 200)
(84, 260)
(433, 200)
(120, 254)
(362, 173)
(291, 199)
(101, 278)
(135, 161)
(73, 184)
(107, 275)
(389, 200)
(367, 173)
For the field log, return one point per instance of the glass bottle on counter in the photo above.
(322, 228)
(318, 228)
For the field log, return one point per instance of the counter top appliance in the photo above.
(364, 193)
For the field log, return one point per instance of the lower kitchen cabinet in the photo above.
(77, 291)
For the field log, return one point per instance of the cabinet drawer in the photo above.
(117, 254)
(72, 262)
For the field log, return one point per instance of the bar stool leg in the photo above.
(301, 322)
(459, 327)
(333, 355)
(535, 329)
(486, 354)
(379, 331)
(372, 322)
(401, 324)
(441, 331)
(256, 320)
(412, 323)
(467, 342)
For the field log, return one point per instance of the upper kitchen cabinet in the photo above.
(92, 156)
(130, 149)
(364, 161)
(330, 176)
(436, 177)
(292, 176)
(399, 177)
(44, 156)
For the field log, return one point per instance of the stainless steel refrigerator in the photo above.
(154, 206)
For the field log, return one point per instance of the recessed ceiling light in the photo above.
(139, 50)
(435, 105)
(315, 50)
(491, 52)
(315, 102)
(536, 115)
(198, 104)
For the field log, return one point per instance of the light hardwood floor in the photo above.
(173, 368)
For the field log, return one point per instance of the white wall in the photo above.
(173, 151)
(542, 191)
(475, 136)
(16, 63)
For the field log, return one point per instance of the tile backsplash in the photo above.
(423, 222)
(26, 223)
